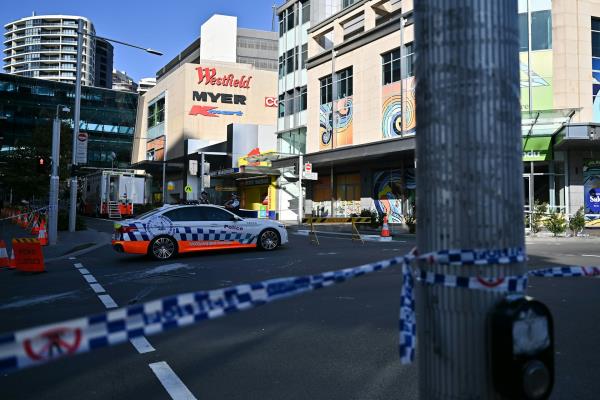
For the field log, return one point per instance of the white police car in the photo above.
(172, 229)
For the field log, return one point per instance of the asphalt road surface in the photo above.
(335, 343)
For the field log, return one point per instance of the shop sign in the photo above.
(227, 171)
(208, 111)
(271, 102)
(537, 148)
(255, 182)
(225, 98)
(220, 188)
(209, 77)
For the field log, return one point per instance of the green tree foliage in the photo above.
(556, 223)
(577, 222)
(539, 210)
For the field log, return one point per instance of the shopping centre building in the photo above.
(215, 108)
(361, 121)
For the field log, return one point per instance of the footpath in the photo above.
(69, 244)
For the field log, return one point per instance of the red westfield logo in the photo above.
(209, 77)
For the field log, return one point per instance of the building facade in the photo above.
(216, 105)
(28, 107)
(123, 82)
(361, 118)
(45, 47)
(104, 63)
(145, 84)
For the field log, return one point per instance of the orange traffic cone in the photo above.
(4, 260)
(35, 229)
(385, 230)
(12, 262)
(43, 236)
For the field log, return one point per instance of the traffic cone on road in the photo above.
(12, 263)
(385, 230)
(35, 229)
(4, 260)
(43, 236)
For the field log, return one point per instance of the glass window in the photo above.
(281, 66)
(391, 68)
(523, 34)
(186, 214)
(344, 83)
(216, 214)
(304, 55)
(289, 103)
(325, 89)
(281, 24)
(290, 18)
(305, 11)
(348, 187)
(409, 55)
(541, 30)
(281, 105)
(289, 61)
(303, 99)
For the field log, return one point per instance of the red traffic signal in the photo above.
(41, 162)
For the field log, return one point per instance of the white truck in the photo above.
(113, 193)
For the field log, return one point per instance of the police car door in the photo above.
(188, 223)
(226, 227)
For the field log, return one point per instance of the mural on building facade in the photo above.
(541, 80)
(394, 193)
(343, 124)
(391, 110)
(596, 89)
(591, 192)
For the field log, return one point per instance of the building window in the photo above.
(291, 18)
(348, 3)
(289, 61)
(541, 30)
(348, 187)
(303, 98)
(344, 83)
(281, 24)
(391, 64)
(354, 26)
(281, 105)
(325, 89)
(289, 103)
(304, 55)
(305, 11)
(281, 66)
(156, 113)
(292, 142)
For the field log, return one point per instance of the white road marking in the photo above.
(254, 259)
(326, 254)
(141, 344)
(90, 278)
(83, 271)
(97, 288)
(171, 382)
(590, 255)
(78, 265)
(72, 258)
(107, 301)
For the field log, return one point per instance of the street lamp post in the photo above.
(54, 177)
(76, 117)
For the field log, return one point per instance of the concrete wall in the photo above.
(218, 39)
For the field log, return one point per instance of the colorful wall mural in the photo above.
(394, 193)
(343, 124)
(391, 110)
(541, 80)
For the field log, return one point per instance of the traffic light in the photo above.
(43, 165)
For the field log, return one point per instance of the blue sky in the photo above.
(168, 26)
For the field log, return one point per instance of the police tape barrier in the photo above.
(21, 214)
(42, 344)
(39, 345)
(508, 284)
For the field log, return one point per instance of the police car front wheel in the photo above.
(163, 248)
(268, 240)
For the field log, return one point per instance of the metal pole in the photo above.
(530, 94)
(300, 194)
(201, 172)
(401, 74)
(164, 171)
(470, 166)
(333, 94)
(54, 180)
(76, 116)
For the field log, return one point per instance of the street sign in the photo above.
(81, 148)
(170, 186)
(310, 176)
(221, 188)
(193, 167)
(307, 168)
(188, 189)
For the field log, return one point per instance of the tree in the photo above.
(577, 222)
(556, 223)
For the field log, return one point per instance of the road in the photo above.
(336, 343)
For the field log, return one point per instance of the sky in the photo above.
(167, 25)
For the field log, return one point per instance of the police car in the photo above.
(166, 231)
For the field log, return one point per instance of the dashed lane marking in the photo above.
(590, 255)
(141, 344)
(90, 278)
(72, 258)
(97, 288)
(83, 271)
(78, 265)
(107, 301)
(171, 382)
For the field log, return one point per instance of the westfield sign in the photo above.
(209, 77)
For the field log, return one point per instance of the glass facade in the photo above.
(28, 106)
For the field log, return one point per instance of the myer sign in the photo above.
(537, 148)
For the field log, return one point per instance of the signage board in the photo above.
(221, 188)
(170, 186)
(271, 102)
(307, 167)
(188, 189)
(81, 148)
(193, 167)
(310, 176)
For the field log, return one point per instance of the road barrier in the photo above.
(42, 344)
(29, 256)
(312, 221)
(4, 260)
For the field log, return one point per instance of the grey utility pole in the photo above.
(469, 179)
(54, 177)
(76, 116)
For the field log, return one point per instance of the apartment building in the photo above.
(45, 47)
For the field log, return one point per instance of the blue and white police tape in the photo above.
(509, 284)
(39, 345)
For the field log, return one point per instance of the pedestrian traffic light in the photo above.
(522, 349)
(43, 165)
